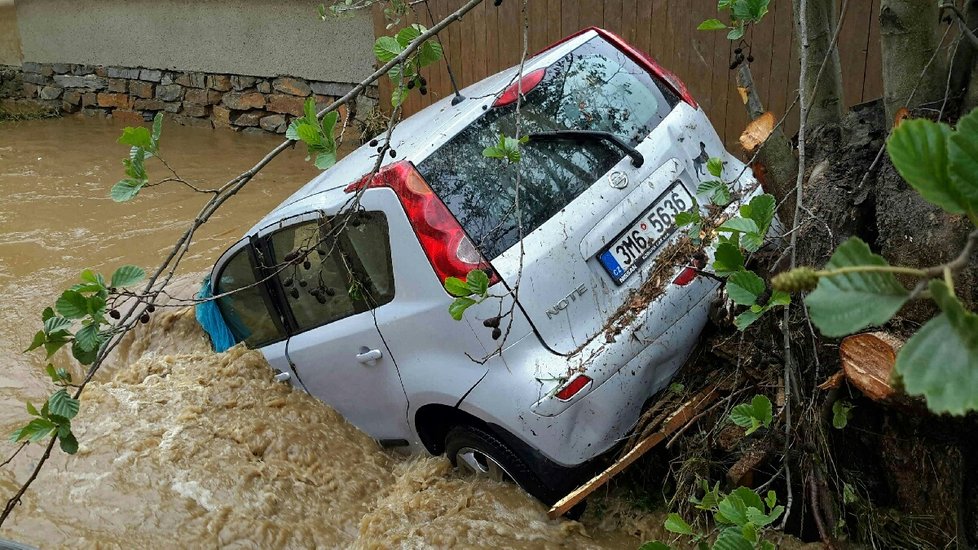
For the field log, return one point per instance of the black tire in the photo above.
(470, 437)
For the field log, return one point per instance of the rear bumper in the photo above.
(607, 413)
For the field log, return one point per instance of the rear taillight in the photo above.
(573, 387)
(443, 240)
(523, 85)
(685, 276)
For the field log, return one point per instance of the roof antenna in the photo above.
(451, 75)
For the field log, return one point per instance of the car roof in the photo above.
(415, 137)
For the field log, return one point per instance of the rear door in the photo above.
(592, 220)
(333, 274)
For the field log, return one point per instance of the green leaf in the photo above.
(32, 410)
(457, 308)
(843, 304)
(478, 282)
(736, 33)
(88, 337)
(676, 524)
(747, 319)
(771, 499)
(840, 414)
(918, 149)
(54, 324)
(732, 539)
(325, 159)
(714, 166)
(47, 313)
(716, 191)
(125, 190)
(778, 298)
(727, 259)
(685, 218)
(39, 340)
(457, 287)
(732, 510)
(127, 275)
(69, 443)
(157, 130)
(309, 134)
(749, 531)
(757, 9)
(655, 545)
(761, 211)
(83, 356)
(759, 518)
(34, 431)
(72, 305)
(739, 225)
(751, 241)
(136, 136)
(940, 361)
(712, 25)
(429, 52)
(62, 404)
(407, 35)
(56, 341)
(744, 287)
(753, 415)
(398, 96)
(387, 48)
(962, 151)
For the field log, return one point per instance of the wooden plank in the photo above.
(873, 76)
(719, 81)
(643, 26)
(612, 16)
(699, 74)
(781, 20)
(680, 418)
(853, 40)
(590, 13)
(554, 30)
(509, 26)
(540, 20)
(569, 22)
(762, 47)
(629, 22)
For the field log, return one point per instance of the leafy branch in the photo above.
(160, 278)
(742, 14)
(407, 74)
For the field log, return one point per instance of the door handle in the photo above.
(368, 356)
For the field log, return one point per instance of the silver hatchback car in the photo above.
(352, 305)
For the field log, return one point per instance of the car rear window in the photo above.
(594, 87)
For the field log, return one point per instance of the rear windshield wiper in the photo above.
(637, 158)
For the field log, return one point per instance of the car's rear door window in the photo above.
(595, 87)
(248, 310)
(331, 268)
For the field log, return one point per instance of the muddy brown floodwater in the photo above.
(182, 447)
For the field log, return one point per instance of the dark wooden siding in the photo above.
(490, 39)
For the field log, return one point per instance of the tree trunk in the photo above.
(965, 73)
(826, 103)
(776, 154)
(909, 34)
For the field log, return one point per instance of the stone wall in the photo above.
(199, 99)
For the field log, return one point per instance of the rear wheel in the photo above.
(476, 451)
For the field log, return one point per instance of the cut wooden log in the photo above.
(677, 420)
(868, 360)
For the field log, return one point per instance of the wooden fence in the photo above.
(490, 39)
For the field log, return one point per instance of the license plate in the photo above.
(632, 247)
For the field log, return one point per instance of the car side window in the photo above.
(248, 311)
(331, 268)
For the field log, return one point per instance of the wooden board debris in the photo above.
(684, 414)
